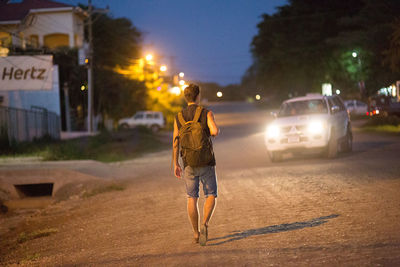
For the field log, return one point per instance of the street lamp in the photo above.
(181, 74)
(163, 68)
(219, 94)
(182, 82)
(361, 83)
(149, 57)
(175, 90)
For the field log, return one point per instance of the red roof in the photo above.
(18, 11)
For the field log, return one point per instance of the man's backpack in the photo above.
(196, 147)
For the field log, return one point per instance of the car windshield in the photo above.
(315, 106)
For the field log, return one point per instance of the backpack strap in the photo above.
(197, 114)
(181, 119)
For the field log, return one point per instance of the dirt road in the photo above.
(300, 212)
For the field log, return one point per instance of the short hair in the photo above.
(191, 92)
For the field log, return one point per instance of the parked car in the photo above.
(314, 122)
(384, 106)
(151, 119)
(356, 107)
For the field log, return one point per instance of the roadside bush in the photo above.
(106, 146)
(380, 120)
(62, 151)
(4, 142)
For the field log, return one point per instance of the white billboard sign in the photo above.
(26, 73)
(326, 89)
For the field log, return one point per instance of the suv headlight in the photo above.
(273, 131)
(316, 127)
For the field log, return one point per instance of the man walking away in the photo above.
(193, 128)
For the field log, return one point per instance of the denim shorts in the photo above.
(208, 178)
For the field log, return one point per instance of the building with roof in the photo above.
(40, 23)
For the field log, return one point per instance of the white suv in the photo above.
(356, 107)
(151, 119)
(313, 122)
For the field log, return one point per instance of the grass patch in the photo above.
(23, 237)
(105, 147)
(380, 120)
(379, 124)
(383, 128)
(104, 189)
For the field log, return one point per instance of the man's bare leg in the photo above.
(209, 207)
(208, 211)
(193, 212)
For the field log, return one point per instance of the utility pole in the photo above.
(90, 71)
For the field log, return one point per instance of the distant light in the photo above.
(258, 97)
(184, 86)
(354, 54)
(377, 111)
(181, 82)
(83, 88)
(337, 91)
(181, 74)
(175, 90)
(4, 51)
(86, 60)
(149, 57)
(163, 68)
(219, 94)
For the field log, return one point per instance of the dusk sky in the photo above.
(210, 39)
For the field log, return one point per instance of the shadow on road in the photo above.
(272, 229)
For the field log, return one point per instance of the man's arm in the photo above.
(214, 130)
(175, 147)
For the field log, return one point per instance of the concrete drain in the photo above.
(34, 190)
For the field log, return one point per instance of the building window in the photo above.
(56, 40)
(34, 41)
(5, 39)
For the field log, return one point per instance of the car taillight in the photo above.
(367, 113)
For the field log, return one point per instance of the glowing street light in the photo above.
(258, 97)
(182, 82)
(149, 57)
(354, 54)
(181, 74)
(175, 90)
(83, 88)
(219, 94)
(163, 68)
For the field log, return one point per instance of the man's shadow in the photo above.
(272, 229)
